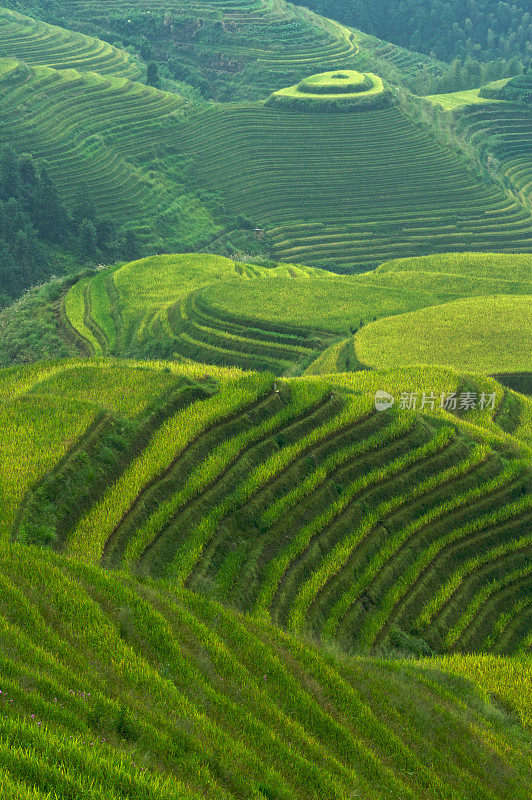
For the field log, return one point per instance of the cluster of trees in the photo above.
(466, 74)
(39, 236)
(445, 29)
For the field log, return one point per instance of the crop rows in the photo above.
(303, 504)
(203, 335)
(183, 699)
(349, 191)
(190, 328)
(502, 133)
(272, 34)
(40, 44)
(92, 131)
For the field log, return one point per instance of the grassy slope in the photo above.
(39, 44)
(334, 303)
(129, 690)
(214, 310)
(497, 124)
(105, 134)
(349, 191)
(490, 335)
(243, 50)
(209, 488)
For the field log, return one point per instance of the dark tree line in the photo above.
(39, 236)
(485, 30)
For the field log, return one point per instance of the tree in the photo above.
(88, 238)
(9, 174)
(152, 78)
(131, 249)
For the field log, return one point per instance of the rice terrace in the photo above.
(265, 400)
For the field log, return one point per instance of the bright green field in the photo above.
(332, 90)
(490, 335)
(114, 688)
(454, 100)
(404, 284)
(289, 499)
(213, 310)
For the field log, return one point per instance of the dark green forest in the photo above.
(39, 236)
(446, 29)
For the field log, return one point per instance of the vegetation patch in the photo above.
(480, 334)
(334, 91)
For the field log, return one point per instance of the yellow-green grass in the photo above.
(112, 687)
(45, 410)
(338, 90)
(508, 679)
(453, 100)
(88, 539)
(211, 309)
(349, 191)
(39, 44)
(487, 335)
(502, 413)
(337, 303)
(343, 82)
(293, 499)
(154, 304)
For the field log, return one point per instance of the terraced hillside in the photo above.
(244, 49)
(499, 128)
(503, 134)
(294, 499)
(241, 47)
(349, 191)
(110, 138)
(152, 307)
(213, 310)
(40, 44)
(127, 690)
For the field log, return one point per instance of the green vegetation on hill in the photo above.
(227, 50)
(294, 499)
(112, 141)
(215, 310)
(347, 90)
(476, 29)
(39, 44)
(114, 688)
(481, 334)
(349, 193)
(492, 124)
(289, 556)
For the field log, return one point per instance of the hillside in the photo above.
(213, 310)
(505, 345)
(265, 400)
(119, 689)
(39, 44)
(349, 191)
(231, 50)
(344, 194)
(200, 475)
(110, 139)
(495, 122)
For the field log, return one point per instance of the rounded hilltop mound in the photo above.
(339, 90)
(333, 83)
